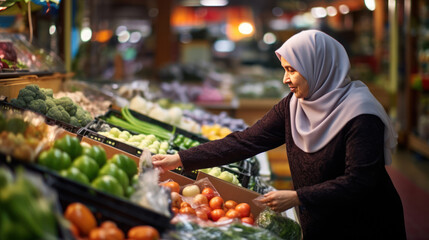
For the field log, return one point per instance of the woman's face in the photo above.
(296, 82)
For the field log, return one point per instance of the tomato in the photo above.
(143, 233)
(216, 214)
(230, 204)
(80, 215)
(232, 213)
(208, 192)
(202, 215)
(187, 210)
(216, 202)
(247, 220)
(185, 204)
(108, 224)
(174, 186)
(199, 199)
(107, 233)
(224, 219)
(243, 209)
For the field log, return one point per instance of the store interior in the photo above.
(208, 67)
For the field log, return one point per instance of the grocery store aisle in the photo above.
(410, 175)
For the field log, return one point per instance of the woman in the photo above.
(338, 139)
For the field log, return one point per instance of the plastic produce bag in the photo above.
(283, 227)
(148, 192)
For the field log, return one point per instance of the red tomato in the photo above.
(230, 204)
(143, 232)
(174, 186)
(232, 213)
(202, 215)
(243, 209)
(175, 210)
(208, 192)
(224, 219)
(187, 210)
(216, 203)
(216, 214)
(247, 220)
(185, 204)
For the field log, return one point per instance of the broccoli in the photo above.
(31, 92)
(49, 103)
(58, 113)
(75, 122)
(83, 116)
(48, 92)
(67, 103)
(18, 103)
(38, 105)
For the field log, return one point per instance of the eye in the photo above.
(289, 70)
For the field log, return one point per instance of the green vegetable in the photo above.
(58, 113)
(108, 184)
(68, 105)
(284, 227)
(75, 174)
(125, 163)
(235, 231)
(97, 153)
(16, 125)
(54, 159)
(38, 105)
(116, 172)
(31, 92)
(49, 103)
(18, 103)
(70, 145)
(83, 116)
(48, 92)
(87, 166)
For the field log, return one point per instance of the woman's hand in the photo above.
(280, 201)
(166, 162)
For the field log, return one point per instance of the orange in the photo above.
(143, 232)
(80, 215)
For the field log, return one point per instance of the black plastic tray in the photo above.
(88, 132)
(4, 105)
(108, 207)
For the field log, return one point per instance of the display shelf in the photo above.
(419, 145)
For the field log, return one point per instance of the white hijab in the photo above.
(333, 99)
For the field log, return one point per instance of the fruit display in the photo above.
(222, 174)
(89, 165)
(214, 132)
(27, 211)
(23, 134)
(220, 120)
(42, 101)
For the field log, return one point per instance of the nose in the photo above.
(286, 78)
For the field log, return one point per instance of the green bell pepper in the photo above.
(55, 159)
(70, 145)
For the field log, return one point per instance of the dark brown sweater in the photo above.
(344, 189)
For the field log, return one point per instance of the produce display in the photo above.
(89, 165)
(141, 141)
(132, 123)
(202, 202)
(214, 132)
(26, 210)
(42, 101)
(173, 115)
(93, 104)
(222, 174)
(222, 119)
(23, 134)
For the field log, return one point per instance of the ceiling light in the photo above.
(344, 9)
(214, 3)
(319, 12)
(332, 11)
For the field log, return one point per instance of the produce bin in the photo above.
(107, 207)
(4, 105)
